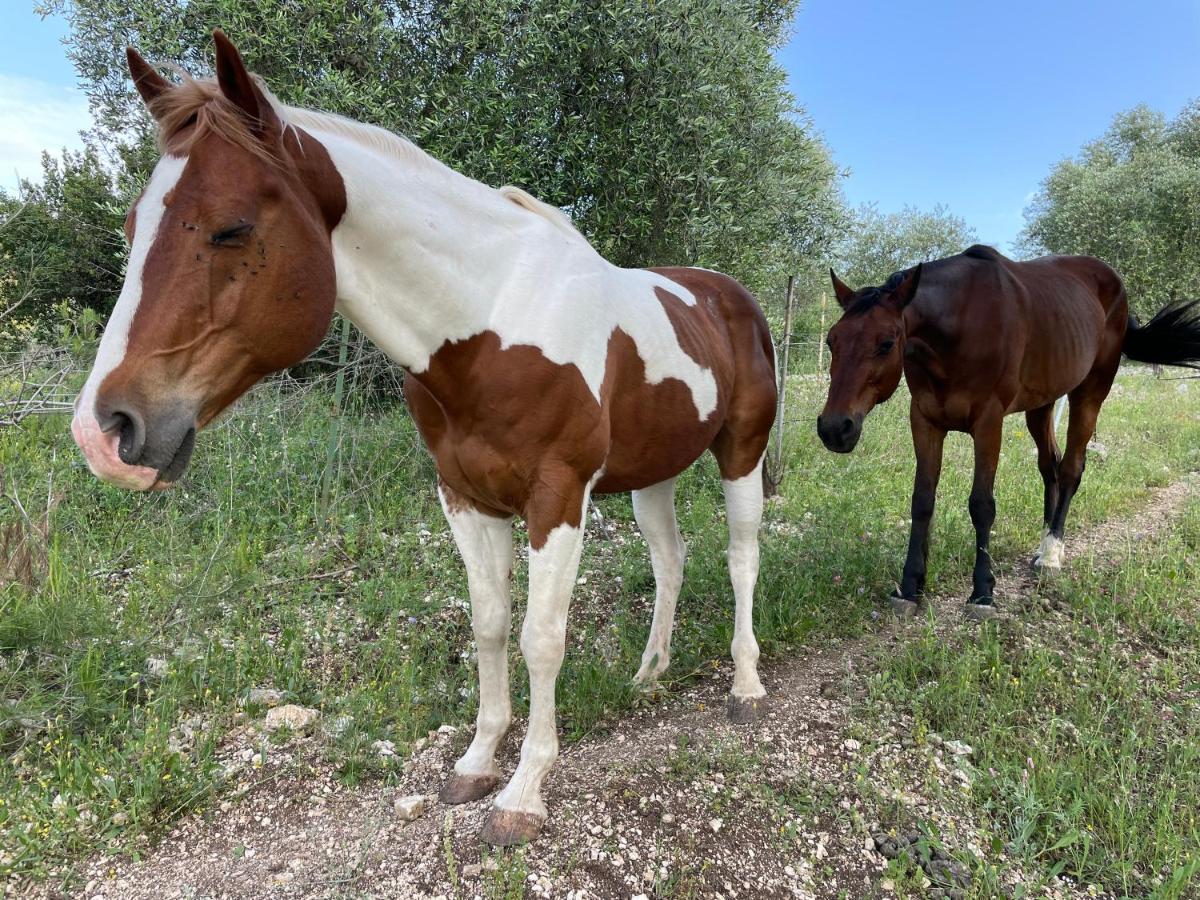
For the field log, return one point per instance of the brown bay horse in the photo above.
(978, 337)
(537, 372)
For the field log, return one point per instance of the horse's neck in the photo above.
(422, 253)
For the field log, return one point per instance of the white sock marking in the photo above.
(486, 546)
(552, 571)
(654, 509)
(744, 506)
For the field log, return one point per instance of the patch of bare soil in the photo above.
(673, 801)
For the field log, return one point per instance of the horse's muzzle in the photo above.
(134, 449)
(839, 433)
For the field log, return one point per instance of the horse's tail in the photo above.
(1171, 338)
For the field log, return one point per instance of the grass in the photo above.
(125, 658)
(1085, 721)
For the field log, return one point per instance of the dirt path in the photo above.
(672, 802)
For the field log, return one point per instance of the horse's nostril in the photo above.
(130, 429)
(847, 425)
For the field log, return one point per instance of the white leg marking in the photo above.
(1050, 554)
(654, 509)
(743, 509)
(552, 572)
(486, 546)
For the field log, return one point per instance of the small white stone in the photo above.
(715, 825)
(264, 697)
(409, 808)
(156, 667)
(296, 718)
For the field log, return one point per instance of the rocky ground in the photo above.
(813, 801)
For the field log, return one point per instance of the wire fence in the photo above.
(42, 379)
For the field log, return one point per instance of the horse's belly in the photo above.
(657, 440)
(1062, 350)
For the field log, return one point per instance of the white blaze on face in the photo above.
(100, 448)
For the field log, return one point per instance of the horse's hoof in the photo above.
(745, 710)
(980, 612)
(510, 827)
(903, 608)
(465, 788)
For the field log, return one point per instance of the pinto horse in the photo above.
(982, 338)
(538, 373)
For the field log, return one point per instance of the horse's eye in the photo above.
(232, 237)
(886, 347)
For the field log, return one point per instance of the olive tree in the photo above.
(876, 245)
(1131, 198)
(663, 127)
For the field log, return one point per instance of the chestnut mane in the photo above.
(199, 102)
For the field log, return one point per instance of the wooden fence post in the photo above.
(821, 339)
(335, 420)
(781, 408)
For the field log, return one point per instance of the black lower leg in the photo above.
(983, 514)
(912, 581)
(1068, 486)
(1050, 498)
(927, 442)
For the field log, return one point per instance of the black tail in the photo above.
(1171, 338)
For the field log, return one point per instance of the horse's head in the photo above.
(866, 355)
(230, 273)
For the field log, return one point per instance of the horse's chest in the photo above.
(494, 418)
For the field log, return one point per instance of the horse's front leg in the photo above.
(987, 434)
(556, 522)
(486, 546)
(928, 441)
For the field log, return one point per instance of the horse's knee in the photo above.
(982, 507)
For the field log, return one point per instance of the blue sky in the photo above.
(963, 103)
(969, 104)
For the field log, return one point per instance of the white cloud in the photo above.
(36, 116)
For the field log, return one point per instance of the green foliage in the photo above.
(1132, 198)
(664, 127)
(60, 239)
(879, 244)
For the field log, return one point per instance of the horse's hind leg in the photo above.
(1041, 427)
(1085, 403)
(739, 448)
(743, 511)
(654, 509)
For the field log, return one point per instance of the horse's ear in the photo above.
(907, 289)
(149, 83)
(842, 291)
(238, 85)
